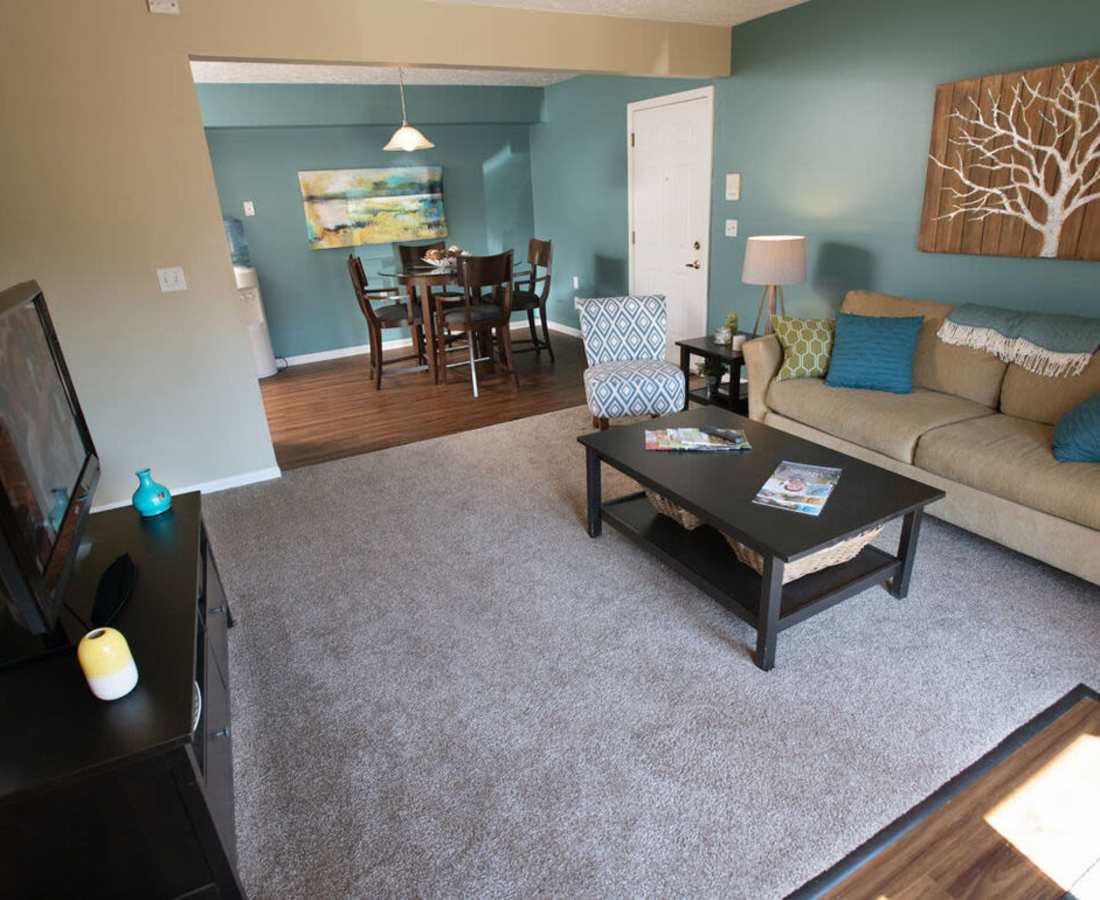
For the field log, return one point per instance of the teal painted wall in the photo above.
(578, 169)
(307, 295)
(827, 117)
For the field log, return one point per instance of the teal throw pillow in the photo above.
(874, 352)
(1077, 435)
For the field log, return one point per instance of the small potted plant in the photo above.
(712, 371)
(731, 323)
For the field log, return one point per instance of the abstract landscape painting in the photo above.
(348, 207)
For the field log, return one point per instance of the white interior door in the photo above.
(671, 140)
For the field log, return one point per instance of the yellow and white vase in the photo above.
(107, 662)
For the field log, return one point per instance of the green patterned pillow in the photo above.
(807, 345)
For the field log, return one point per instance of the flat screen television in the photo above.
(48, 465)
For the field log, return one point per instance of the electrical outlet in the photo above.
(731, 228)
(249, 208)
(733, 186)
(576, 282)
(171, 279)
(165, 7)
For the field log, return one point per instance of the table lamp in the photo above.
(773, 261)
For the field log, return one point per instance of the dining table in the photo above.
(418, 280)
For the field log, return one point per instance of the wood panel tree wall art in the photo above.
(1014, 165)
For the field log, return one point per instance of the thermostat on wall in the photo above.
(165, 7)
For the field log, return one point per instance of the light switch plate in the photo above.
(165, 7)
(171, 279)
(576, 282)
(731, 228)
(733, 186)
(249, 208)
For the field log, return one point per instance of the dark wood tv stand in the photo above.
(123, 799)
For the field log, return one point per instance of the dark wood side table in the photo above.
(709, 348)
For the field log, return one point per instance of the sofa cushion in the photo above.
(1044, 399)
(963, 371)
(888, 423)
(874, 352)
(1077, 434)
(1012, 458)
(807, 346)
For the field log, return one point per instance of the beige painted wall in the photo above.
(105, 176)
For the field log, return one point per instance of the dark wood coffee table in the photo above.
(719, 488)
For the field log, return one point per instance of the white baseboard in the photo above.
(211, 487)
(563, 329)
(304, 359)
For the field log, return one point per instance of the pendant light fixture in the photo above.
(406, 137)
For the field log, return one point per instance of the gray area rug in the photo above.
(443, 687)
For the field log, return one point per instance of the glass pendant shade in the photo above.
(406, 137)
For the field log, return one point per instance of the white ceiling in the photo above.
(217, 72)
(699, 12)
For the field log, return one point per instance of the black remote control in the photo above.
(114, 589)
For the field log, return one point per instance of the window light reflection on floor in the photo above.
(1054, 817)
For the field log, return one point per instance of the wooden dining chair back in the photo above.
(397, 314)
(412, 255)
(532, 291)
(486, 309)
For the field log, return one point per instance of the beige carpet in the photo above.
(443, 687)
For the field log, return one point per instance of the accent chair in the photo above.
(627, 374)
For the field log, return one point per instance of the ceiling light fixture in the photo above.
(406, 137)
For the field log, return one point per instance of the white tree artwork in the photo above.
(1018, 149)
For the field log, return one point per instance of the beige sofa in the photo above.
(974, 427)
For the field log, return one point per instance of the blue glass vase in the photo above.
(151, 499)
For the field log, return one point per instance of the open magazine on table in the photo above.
(799, 487)
(707, 440)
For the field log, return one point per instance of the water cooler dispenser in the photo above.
(251, 307)
(252, 314)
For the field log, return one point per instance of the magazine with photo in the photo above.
(799, 487)
(707, 440)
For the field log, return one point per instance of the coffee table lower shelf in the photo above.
(704, 558)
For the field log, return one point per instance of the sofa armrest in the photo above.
(763, 358)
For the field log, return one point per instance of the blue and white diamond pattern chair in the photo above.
(627, 374)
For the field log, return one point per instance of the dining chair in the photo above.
(412, 255)
(627, 374)
(486, 307)
(540, 254)
(402, 314)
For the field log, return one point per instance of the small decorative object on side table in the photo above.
(712, 371)
(726, 357)
(151, 498)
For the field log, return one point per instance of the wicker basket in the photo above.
(843, 552)
(678, 514)
(831, 556)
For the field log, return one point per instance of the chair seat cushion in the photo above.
(889, 423)
(479, 312)
(634, 387)
(1013, 458)
(396, 313)
(524, 300)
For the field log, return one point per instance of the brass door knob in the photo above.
(694, 264)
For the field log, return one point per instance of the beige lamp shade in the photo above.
(775, 259)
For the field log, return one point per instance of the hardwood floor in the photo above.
(1023, 822)
(330, 410)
